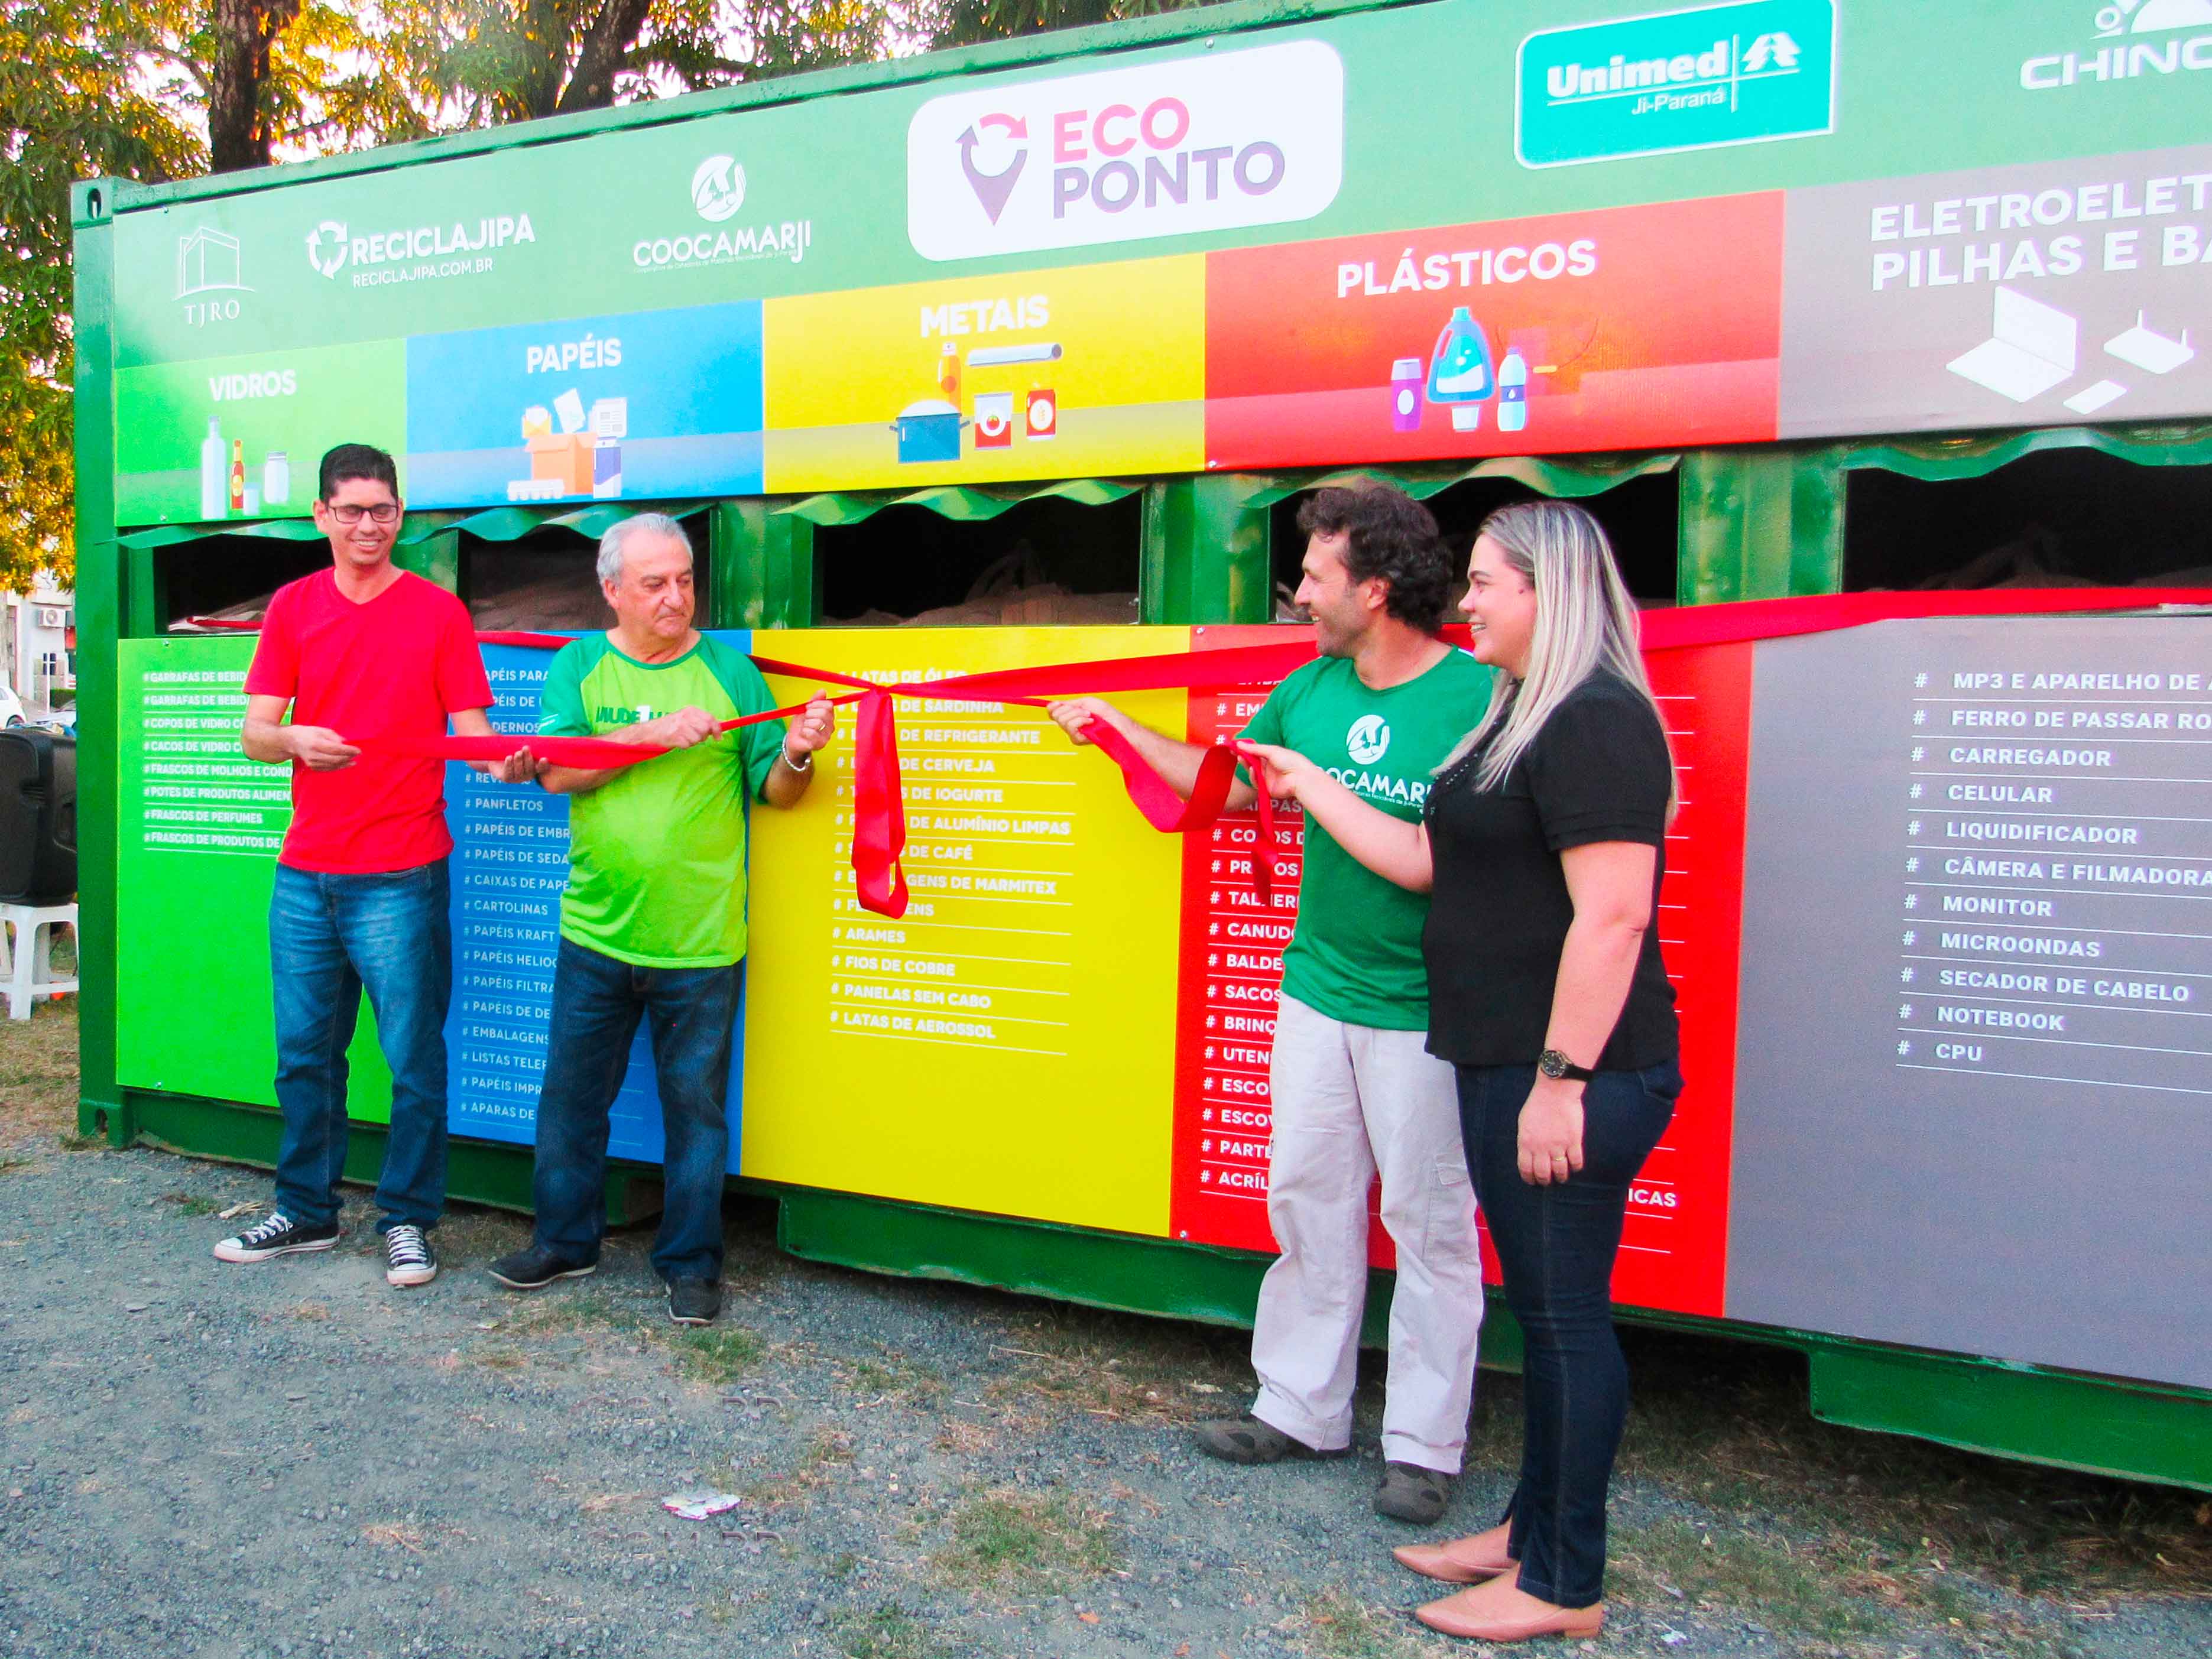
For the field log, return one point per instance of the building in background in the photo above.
(39, 648)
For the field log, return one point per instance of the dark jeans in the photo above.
(597, 1003)
(1556, 1245)
(328, 937)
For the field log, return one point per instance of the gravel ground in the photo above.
(292, 1459)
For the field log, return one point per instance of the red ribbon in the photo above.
(879, 802)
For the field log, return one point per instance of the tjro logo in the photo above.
(1253, 137)
(1741, 73)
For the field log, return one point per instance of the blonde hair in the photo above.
(1585, 625)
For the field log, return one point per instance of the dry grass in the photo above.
(1122, 1367)
(38, 1074)
(1012, 1539)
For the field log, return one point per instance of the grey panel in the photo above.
(1974, 1079)
(2036, 295)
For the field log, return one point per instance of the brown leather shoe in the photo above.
(1461, 1561)
(1501, 1611)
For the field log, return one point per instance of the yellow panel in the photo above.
(1005, 1051)
(851, 378)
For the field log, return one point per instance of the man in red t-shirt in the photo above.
(360, 652)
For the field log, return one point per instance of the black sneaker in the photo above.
(534, 1268)
(1246, 1439)
(408, 1258)
(693, 1301)
(278, 1235)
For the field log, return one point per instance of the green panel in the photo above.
(1569, 479)
(281, 530)
(436, 557)
(2142, 1432)
(1758, 524)
(476, 1171)
(963, 503)
(184, 425)
(760, 562)
(101, 599)
(1096, 1269)
(1205, 551)
(1945, 460)
(198, 830)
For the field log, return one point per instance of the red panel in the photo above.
(1673, 1250)
(1640, 336)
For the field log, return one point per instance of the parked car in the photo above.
(11, 706)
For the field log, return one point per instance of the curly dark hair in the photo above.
(1392, 536)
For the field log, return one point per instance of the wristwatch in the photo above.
(1554, 1064)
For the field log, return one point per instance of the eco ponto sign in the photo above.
(1216, 142)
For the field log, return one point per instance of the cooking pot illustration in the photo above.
(928, 430)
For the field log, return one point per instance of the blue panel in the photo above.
(653, 404)
(510, 862)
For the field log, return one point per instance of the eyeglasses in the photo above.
(382, 513)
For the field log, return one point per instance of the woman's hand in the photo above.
(1282, 771)
(1550, 1139)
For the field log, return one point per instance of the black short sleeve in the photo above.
(1599, 771)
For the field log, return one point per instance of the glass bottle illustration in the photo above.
(213, 497)
(238, 474)
(1459, 373)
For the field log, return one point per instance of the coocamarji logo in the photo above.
(1213, 143)
(1744, 73)
(413, 253)
(718, 192)
(1369, 740)
(2129, 57)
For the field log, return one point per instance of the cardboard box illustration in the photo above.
(565, 456)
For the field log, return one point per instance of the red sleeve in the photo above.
(461, 682)
(276, 670)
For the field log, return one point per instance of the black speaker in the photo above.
(38, 816)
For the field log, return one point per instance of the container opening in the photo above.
(2060, 518)
(1041, 563)
(1640, 516)
(228, 577)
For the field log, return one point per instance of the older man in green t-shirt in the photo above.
(653, 921)
(1353, 1090)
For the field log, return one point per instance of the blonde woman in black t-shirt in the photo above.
(1542, 849)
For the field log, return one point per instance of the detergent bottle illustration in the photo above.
(1513, 392)
(1459, 373)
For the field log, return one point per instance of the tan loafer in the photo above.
(1499, 1611)
(1461, 1561)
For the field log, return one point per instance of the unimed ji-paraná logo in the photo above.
(1744, 73)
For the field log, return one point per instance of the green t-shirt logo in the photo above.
(1369, 740)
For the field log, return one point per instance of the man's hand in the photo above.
(813, 729)
(678, 730)
(520, 767)
(1076, 713)
(318, 748)
(1283, 770)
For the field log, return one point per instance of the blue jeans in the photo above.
(597, 1003)
(1556, 1245)
(330, 936)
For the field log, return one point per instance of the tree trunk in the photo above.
(606, 47)
(238, 133)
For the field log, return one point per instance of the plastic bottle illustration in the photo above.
(1459, 373)
(1406, 405)
(948, 373)
(212, 494)
(1513, 392)
(238, 474)
(275, 479)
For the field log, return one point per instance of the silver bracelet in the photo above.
(806, 765)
